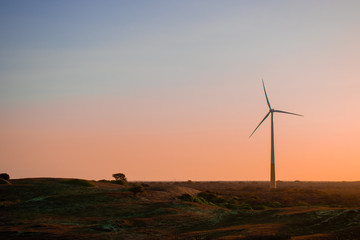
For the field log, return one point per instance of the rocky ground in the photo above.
(51, 209)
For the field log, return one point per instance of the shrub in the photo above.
(3, 181)
(276, 204)
(208, 198)
(120, 178)
(212, 198)
(113, 181)
(136, 188)
(103, 180)
(4, 176)
(77, 182)
(201, 200)
(119, 182)
(188, 198)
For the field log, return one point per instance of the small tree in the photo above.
(136, 188)
(120, 178)
(4, 176)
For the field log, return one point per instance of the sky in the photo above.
(169, 90)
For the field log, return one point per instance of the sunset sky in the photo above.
(171, 90)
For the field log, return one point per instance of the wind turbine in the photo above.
(271, 112)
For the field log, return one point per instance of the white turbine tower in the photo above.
(271, 112)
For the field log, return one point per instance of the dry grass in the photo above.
(47, 209)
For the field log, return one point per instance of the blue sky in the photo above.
(136, 44)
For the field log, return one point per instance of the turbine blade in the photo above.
(267, 99)
(260, 124)
(279, 111)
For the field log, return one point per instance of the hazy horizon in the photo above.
(171, 90)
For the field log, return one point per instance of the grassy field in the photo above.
(47, 208)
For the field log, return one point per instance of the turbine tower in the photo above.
(271, 112)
